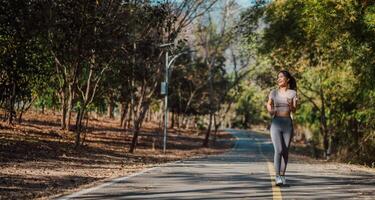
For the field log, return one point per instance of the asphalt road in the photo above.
(246, 172)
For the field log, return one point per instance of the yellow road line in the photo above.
(276, 192)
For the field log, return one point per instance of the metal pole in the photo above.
(167, 66)
(166, 102)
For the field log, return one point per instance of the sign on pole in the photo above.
(164, 88)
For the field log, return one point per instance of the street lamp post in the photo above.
(166, 101)
(164, 90)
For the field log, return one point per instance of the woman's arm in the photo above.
(270, 108)
(293, 104)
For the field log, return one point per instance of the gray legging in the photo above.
(281, 135)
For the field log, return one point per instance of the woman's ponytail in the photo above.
(292, 81)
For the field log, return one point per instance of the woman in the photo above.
(281, 103)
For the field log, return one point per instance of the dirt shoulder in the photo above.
(38, 160)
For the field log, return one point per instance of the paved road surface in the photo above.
(244, 173)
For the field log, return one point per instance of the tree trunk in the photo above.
(63, 111)
(24, 109)
(323, 125)
(134, 140)
(130, 116)
(70, 106)
(215, 130)
(172, 120)
(178, 120)
(216, 126)
(207, 137)
(137, 127)
(150, 113)
(131, 107)
(78, 133)
(86, 126)
(124, 111)
(182, 121)
(79, 126)
(111, 107)
(147, 116)
(12, 99)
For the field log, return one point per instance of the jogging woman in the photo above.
(281, 103)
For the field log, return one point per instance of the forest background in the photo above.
(84, 62)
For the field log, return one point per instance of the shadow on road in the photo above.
(239, 174)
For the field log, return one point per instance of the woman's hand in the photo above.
(270, 107)
(292, 104)
(272, 111)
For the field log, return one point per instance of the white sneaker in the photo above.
(283, 180)
(278, 181)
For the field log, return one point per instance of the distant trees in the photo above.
(215, 34)
(80, 56)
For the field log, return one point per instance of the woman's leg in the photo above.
(287, 136)
(277, 144)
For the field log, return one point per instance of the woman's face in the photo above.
(282, 81)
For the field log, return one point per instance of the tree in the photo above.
(213, 40)
(24, 64)
(320, 42)
(83, 39)
(164, 22)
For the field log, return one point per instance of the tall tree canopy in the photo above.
(329, 46)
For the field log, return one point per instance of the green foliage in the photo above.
(329, 47)
(246, 112)
(189, 88)
(200, 124)
(46, 98)
(369, 17)
(24, 64)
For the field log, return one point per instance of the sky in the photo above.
(244, 3)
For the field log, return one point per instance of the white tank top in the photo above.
(280, 99)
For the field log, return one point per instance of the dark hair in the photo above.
(292, 81)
